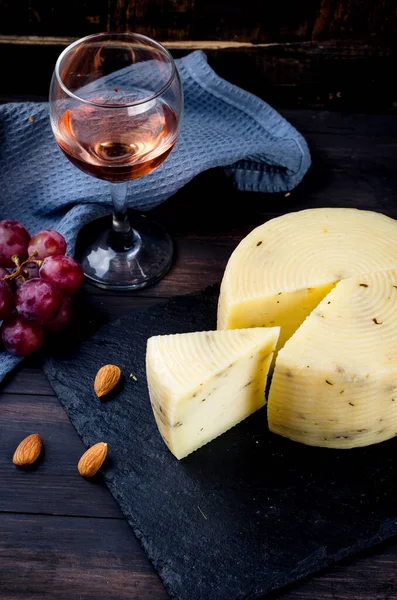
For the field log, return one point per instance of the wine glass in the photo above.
(115, 105)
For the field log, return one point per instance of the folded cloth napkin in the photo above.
(223, 126)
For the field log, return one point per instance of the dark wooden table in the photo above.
(64, 538)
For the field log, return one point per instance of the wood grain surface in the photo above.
(333, 54)
(240, 20)
(333, 74)
(63, 537)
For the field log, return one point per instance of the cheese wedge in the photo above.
(202, 384)
(335, 380)
(281, 271)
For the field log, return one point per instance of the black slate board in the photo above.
(246, 514)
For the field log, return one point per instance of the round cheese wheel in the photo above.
(335, 380)
(281, 271)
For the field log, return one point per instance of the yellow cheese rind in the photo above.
(335, 380)
(296, 259)
(201, 384)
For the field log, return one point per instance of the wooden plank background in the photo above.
(255, 21)
(334, 54)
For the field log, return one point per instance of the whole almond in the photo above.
(106, 379)
(92, 460)
(28, 450)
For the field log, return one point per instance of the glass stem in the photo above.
(123, 234)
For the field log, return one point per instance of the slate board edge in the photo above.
(328, 561)
(387, 531)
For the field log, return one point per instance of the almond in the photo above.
(106, 379)
(28, 450)
(92, 460)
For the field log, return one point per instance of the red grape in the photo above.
(21, 337)
(64, 272)
(29, 271)
(63, 317)
(3, 272)
(14, 239)
(47, 243)
(6, 300)
(38, 300)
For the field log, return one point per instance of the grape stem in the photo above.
(18, 271)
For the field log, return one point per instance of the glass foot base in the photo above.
(143, 264)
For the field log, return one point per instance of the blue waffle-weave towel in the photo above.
(223, 126)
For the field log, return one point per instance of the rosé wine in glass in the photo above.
(115, 105)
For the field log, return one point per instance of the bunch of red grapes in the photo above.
(37, 281)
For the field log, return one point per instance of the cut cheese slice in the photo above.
(335, 380)
(282, 269)
(202, 384)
